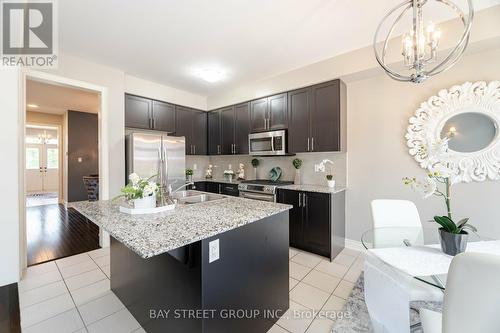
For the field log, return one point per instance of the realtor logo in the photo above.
(29, 33)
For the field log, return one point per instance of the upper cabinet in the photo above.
(241, 127)
(317, 118)
(192, 124)
(214, 133)
(228, 130)
(138, 112)
(269, 113)
(164, 117)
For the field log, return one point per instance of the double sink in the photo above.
(190, 197)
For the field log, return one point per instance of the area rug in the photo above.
(358, 319)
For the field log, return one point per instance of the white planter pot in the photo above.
(331, 183)
(147, 202)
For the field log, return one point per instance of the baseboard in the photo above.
(354, 245)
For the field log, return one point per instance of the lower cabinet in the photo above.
(317, 221)
(219, 188)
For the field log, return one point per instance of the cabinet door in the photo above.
(213, 187)
(164, 117)
(200, 186)
(214, 135)
(241, 127)
(295, 216)
(317, 223)
(199, 133)
(184, 126)
(138, 112)
(258, 115)
(299, 120)
(325, 117)
(227, 130)
(277, 118)
(229, 189)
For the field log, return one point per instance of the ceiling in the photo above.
(166, 40)
(56, 99)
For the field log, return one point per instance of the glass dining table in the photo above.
(387, 237)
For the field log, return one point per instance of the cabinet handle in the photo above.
(312, 144)
(265, 123)
(300, 199)
(304, 200)
(307, 144)
(268, 122)
(218, 149)
(194, 149)
(153, 122)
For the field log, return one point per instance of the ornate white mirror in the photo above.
(468, 116)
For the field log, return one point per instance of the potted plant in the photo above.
(255, 164)
(189, 175)
(330, 181)
(329, 176)
(439, 180)
(140, 192)
(297, 164)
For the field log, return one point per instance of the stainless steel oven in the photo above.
(260, 189)
(267, 143)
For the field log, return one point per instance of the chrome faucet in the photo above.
(170, 191)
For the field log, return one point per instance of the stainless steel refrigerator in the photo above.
(152, 153)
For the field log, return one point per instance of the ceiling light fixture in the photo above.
(34, 106)
(210, 75)
(420, 43)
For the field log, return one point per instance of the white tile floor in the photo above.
(72, 295)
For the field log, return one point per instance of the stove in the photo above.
(260, 189)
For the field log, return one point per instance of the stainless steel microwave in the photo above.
(267, 143)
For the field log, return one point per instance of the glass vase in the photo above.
(297, 180)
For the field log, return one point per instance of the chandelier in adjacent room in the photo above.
(420, 43)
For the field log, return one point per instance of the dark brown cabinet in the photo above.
(220, 188)
(214, 132)
(316, 118)
(228, 130)
(241, 128)
(269, 113)
(138, 112)
(317, 221)
(192, 124)
(163, 117)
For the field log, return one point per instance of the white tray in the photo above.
(137, 211)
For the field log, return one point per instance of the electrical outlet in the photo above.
(213, 251)
(195, 166)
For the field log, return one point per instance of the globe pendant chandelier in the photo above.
(420, 44)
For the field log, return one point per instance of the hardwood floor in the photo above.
(54, 231)
(9, 309)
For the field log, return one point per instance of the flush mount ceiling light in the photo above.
(210, 75)
(420, 43)
(34, 106)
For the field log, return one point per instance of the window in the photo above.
(32, 158)
(52, 158)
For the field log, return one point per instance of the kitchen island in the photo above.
(215, 266)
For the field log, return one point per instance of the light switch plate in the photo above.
(213, 251)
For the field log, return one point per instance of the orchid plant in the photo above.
(322, 167)
(440, 178)
(139, 188)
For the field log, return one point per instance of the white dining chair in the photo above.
(471, 299)
(402, 214)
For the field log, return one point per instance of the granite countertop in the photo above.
(154, 234)
(314, 188)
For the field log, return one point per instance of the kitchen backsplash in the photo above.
(308, 175)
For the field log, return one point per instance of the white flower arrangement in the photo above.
(139, 188)
(228, 172)
(322, 168)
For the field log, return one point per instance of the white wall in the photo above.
(140, 87)
(378, 113)
(11, 135)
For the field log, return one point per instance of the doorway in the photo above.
(42, 167)
(61, 146)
